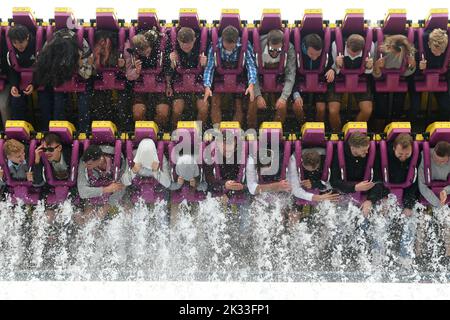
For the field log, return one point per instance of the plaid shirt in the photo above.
(232, 58)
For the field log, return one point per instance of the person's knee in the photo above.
(139, 111)
(202, 107)
(366, 107)
(334, 109)
(162, 110)
(178, 106)
(215, 100)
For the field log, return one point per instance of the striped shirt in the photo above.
(230, 58)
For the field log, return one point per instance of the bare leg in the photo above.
(252, 115)
(280, 114)
(320, 111)
(365, 111)
(335, 117)
(299, 112)
(177, 111)
(162, 115)
(139, 111)
(239, 113)
(202, 109)
(216, 111)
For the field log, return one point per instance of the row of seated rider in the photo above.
(96, 178)
(393, 49)
(56, 63)
(168, 108)
(312, 47)
(141, 53)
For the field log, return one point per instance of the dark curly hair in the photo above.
(57, 62)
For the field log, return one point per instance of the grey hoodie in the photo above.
(86, 191)
(438, 172)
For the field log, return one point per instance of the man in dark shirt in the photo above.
(4, 94)
(399, 158)
(312, 47)
(355, 152)
(187, 55)
(25, 51)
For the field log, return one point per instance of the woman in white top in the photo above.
(146, 163)
(263, 178)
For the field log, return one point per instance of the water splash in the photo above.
(212, 242)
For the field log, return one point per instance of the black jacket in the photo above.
(309, 64)
(25, 59)
(355, 169)
(433, 62)
(188, 61)
(398, 172)
(315, 176)
(3, 62)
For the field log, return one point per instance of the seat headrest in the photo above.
(145, 130)
(438, 131)
(103, 132)
(189, 18)
(313, 134)
(19, 130)
(393, 129)
(106, 19)
(25, 17)
(64, 129)
(351, 127)
(147, 19)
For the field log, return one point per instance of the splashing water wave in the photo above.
(210, 242)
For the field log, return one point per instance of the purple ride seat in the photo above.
(392, 79)
(313, 135)
(25, 17)
(60, 188)
(439, 131)
(107, 20)
(368, 173)
(186, 192)
(229, 80)
(270, 78)
(312, 79)
(147, 188)
(353, 80)
(189, 80)
(398, 188)
(103, 134)
(150, 80)
(235, 197)
(269, 131)
(20, 190)
(433, 80)
(64, 18)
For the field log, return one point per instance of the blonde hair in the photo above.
(147, 39)
(398, 43)
(438, 39)
(13, 146)
(358, 140)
